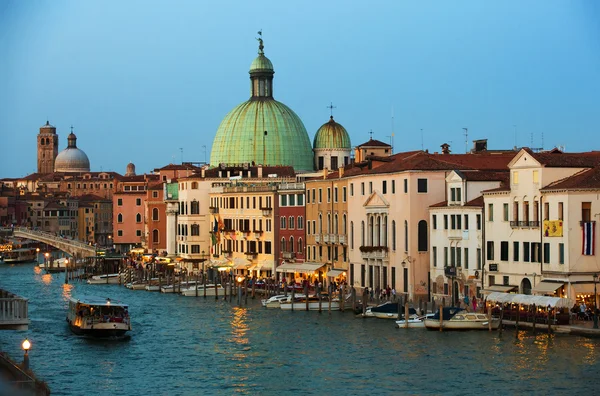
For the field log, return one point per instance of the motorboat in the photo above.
(210, 290)
(454, 318)
(104, 279)
(177, 286)
(137, 285)
(414, 322)
(58, 265)
(275, 301)
(369, 310)
(390, 311)
(299, 303)
(98, 317)
(23, 255)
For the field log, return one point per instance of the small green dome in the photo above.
(261, 63)
(241, 136)
(332, 135)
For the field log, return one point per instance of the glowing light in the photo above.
(26, 344)
(240, 279)
(47, 254)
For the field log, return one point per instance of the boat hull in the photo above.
(312, 305)
(210, 291)
(412, 324)
(102, 330)
(434, 324)
(101, 280)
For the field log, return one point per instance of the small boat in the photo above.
(136, 285)
(98, 317)
(176, 287)
(414, 322)
(275, 301)
(389, 310)
(299, 303)
(104, 279)
(58, 265)
(454, 318)
(24, 255)
(210, 290)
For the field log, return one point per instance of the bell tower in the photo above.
(47, 148)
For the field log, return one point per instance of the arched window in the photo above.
(155, 214)
(422, 236)
(351, 235)
(384, 232)
(47, 141)
(405, 236)
(195, 206)
(291, 223)
(194, 185)
(138, 218)
(195, 229)
(42, 141)
(300, 246)
(393, 234)
(344, 225)
(370, 232)
(314, 256)
(329, 223)
(283, 245)
(283, 222)
(119, 218)
(292, 244)
(320, 223)
(377, 232)
(335, 223)
(155, 238)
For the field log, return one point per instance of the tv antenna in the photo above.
(466, 140)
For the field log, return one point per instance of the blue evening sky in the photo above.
(139, 80)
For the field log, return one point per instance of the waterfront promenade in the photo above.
(196, 346)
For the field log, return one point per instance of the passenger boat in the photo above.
(299, 303)
(210, 290)
(275, 301)
(98, 317)
(414, 322)
(459, 319)
(104, 279)
(24, 255)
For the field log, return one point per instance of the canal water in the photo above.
(192, 346)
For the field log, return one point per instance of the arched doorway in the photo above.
(525, 286)
(455, 298)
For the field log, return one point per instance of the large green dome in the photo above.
(241, 137)
(332, 135)
(262, 130)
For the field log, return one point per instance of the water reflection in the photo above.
(66, 291)
(47, 279)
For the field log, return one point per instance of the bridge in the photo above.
(73, 247)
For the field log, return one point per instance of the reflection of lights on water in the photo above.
(239, 328)
(47, 279)
(37, 270)
(66, 293)
(590, 357)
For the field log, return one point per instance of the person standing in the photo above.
(474, 304)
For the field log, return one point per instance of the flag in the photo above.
(216, 226)
(588, 238)
(213, 238)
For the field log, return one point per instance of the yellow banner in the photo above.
(553, 228)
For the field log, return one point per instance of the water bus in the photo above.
(98, 317)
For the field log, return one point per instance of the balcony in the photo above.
(534, 224)
(514, 224)
(374, 252)
(327, 238)
(266, 211)
(342, 239)
(524, 224)
(213, 209)
(288, 255)
(318, 238)
(251, 255)
(258, 233)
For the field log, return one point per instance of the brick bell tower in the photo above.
(47, 148)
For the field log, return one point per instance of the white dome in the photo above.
(72, 159)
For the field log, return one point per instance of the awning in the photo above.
(303, 268)
(241, 263)
(546, 287)
(265, 265)
(499, 288)
(584, 288)
(334, 273)
(221, 262)
(540, 301)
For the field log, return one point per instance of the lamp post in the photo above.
(37, 255)
(46, 256)
(595, 303)
(240, 279)
(26, 345)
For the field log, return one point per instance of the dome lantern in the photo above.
(261, 74)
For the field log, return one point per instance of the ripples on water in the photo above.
(192, 346)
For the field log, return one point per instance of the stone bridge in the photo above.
(75, 248)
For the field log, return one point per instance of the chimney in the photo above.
(324, 173)
(203, 172)
(259, 171)
(445, 148)
(341, 172)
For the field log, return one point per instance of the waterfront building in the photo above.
(95, 220)
(262, 130)
(456, 234)
(292, 214)
(540, 229)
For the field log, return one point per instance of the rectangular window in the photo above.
(466, 222)
(515, 251)
(434, 217)
(504, 251)
(362, 188)
(320, 195)
(505, 211)
(445, 222)
(478, 218)
(560, 211)
(434, 251)
(422, 185)
(586, 212)
(283, 200)
(515, 177)
(453, 222)
(384, 187)
(328, 194)
(546, 211)
(120, 233)
(138, 233)
(370, 187)
(119, 202)
(445, 256)
(452, 194)
(458, 222)
(490, 212)
(138, 202)
(536, 176)
(490, 250)
(452, 256)
(344, 193)
(478, 258)
(393, 186)
(505, 280)
(546, 253)
(561, 253)
(335, 194)
(466, 258)
(300, 199)
(536, 254)
(405, 186)
(458, 194)
(526, 252)
(351, 189)
(458, 257)
(515, 211)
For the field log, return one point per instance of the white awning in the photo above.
(334, 273)
(540, 301)
(546, 287)
(240, 263)
(220, 262)
(303, 268)
(499, 288)
(585, 288)
(265, 265)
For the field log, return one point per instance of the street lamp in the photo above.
(37, 255)
(26, 345)
(46, 256)
(595, 303)
(240, 279)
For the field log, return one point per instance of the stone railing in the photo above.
(13, 311)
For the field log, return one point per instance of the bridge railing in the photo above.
(52, 237)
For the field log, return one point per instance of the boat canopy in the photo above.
(98, 301)
(448, 313)
(526, 299)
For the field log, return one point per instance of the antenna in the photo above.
(466, 140)
(181, 149)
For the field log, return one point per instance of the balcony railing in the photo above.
(213, 209)
(342, 239)
(289, 255)
(257, 233)
(514, 224)
(534, 224)
(266, 211)
(327, 238)
(318, 238)
(251, 254)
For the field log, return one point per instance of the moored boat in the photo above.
(98, 317)
(454, 318)
(210, 290)
(389, 310)
(414, 322)
(23, 255)
(275, 301)
(177, 286)
(299, 303)
(104, 279)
